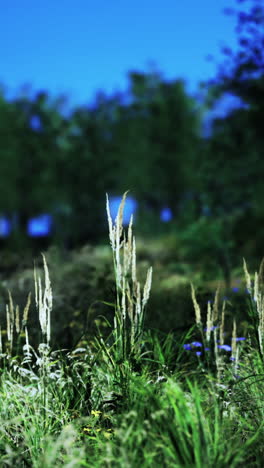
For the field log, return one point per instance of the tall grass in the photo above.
(133, 398)
(130, 301)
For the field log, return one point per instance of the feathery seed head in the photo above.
(256, 289)
(209, 322)
(147, 287)
(17, 319)
(221, 332)
(110, 224)
(197, 309)
(234, 338)
(215, 305)
(44, 302)
(247, 275)
(26, 309)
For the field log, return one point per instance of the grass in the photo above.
(137, 397)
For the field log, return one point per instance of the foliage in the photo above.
(232, 157)
(87, 406)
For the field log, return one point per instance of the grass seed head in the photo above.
(209, 321)
(247, 275)
(197, 309)
(221, 333)
(44, 301)
(147, 288)
(17, 319)
(26, 309)
(234, 337)
(215, 305)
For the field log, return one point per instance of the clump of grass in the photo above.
(130, 300)
(213, 339)
(67, 409)
(256, 306)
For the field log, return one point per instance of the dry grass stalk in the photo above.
(234, 337)
(44, 302)
(256, 288)
(209, 322)
(147, 288)
(17, 319)
(26, 310)
(115, 233)
(247, 275)
(221, 332)
(134, 272)
(197, 309)
(261, 274)
(258, 298)
(215, 305)
(218, 360)
(27, 341)
(10, 323)
(13, 319)
(11, 307)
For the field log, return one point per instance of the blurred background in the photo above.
(161, 98)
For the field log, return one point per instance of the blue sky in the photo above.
(79, 47)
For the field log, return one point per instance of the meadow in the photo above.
(127, 395)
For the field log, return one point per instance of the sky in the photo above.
(79, 47)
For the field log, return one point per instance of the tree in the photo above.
(156, 139)
(233, 168)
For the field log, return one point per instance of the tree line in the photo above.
(149, 140)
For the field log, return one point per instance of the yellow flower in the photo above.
(96, 413)
(87, 429)
(108, 433)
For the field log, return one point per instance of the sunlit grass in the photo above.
(136, 397)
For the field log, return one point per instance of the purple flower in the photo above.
(225, 347)
(187, 346)
(235, 290)
(207, 349)
(196, 344)
(240, 338)
(198, 353)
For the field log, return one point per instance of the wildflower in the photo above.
(225, 347)
(196, 344)
(108, 433)
(198, 353)
(96, 413)
(240, 338)
(235, 289)
(87, 429)
(207, 349)
(187, 346)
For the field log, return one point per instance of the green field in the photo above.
(136, 388)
